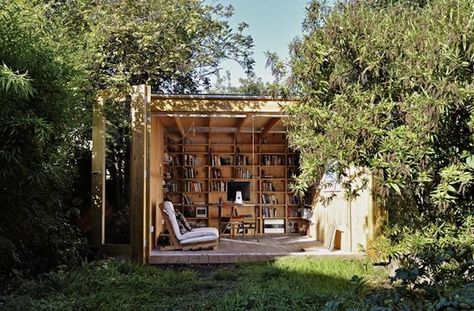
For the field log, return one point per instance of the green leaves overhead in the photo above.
(388, 86)
(175, 46)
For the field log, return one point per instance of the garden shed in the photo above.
(198, 151)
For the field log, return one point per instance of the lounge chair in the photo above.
(197, 238)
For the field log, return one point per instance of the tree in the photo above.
(173, 46)
(38, 81)
(388, 87)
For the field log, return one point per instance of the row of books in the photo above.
(190, 159)
(186, 199)
(168, 172)
(172, 160)
(170, 186)
(221, 160)
(273, 160)
(216, 173)
(295, 199)
(294, 212)
(193, 186)
(270, 212)
(190, 172)
(243, 173)
(241, 159)
(218, 186)
(269, 199)
(268, 186)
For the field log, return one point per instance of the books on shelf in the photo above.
(174, 160)
(170, 186)
(219, 186)
(186, 199)
(243, 173)
(294, 212)
(268, 186)
(216, 173)
(221, 160)
(242, 160)
(193, 186)
(190, 159)
(270, 212)
(168, 173)
(269, 199)
(190, 172)
(295, 199)
(273, 159)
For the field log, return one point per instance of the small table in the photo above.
(240, 222)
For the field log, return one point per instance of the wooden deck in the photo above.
(247, 250)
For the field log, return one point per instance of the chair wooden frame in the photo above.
(175, 243)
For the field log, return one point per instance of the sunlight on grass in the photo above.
(293, 283)
(287, 284)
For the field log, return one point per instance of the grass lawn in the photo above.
(289, 283)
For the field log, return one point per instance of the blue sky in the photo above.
(273, 24)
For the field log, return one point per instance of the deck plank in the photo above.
(245, 250)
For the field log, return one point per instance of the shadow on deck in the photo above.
(248, 250)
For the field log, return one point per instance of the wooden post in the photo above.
(98, 173)
(139, 186)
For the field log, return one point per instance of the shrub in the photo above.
(38, 87)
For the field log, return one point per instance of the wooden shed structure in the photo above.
(189, 148)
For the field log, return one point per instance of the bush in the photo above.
(40, 97)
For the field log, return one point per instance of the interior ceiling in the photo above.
(223, 124)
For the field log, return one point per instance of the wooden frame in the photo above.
(146, 146)
(176, 245)
(98, 172)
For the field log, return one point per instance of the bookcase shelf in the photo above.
(215, 160)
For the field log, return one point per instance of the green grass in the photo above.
(289, 283)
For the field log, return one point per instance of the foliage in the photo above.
(280, 86)
(436, 259)
(436, 272)
(288, 283)
(387, 298)
(247, 86)
(388, 86)
(174, 46)
(37, 119)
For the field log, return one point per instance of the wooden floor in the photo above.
(246, 250)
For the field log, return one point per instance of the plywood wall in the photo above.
(156, 176)
(352, 218)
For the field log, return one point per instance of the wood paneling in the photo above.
(98, 173)
(156, 177)
(139, 185)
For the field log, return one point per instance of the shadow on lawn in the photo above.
(287, 284)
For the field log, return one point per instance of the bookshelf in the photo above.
(197, 170)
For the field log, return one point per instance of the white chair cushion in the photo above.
(206, 234)
(211, 229)
(199, 233)
(169, 210)
(206, 238)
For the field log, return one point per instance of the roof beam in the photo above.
(180, 126)
(269, 126)
(240, 125)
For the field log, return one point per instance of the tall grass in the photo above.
(286, 284)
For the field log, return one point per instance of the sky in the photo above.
(273, 24)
